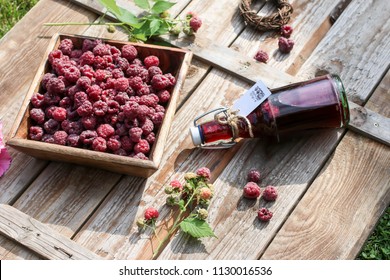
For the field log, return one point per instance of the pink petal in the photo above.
(5, 161)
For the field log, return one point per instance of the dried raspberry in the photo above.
(75, 127)
(270, 193)
(49, 111)
(85, 109)
(151, 60)
(87, 136)
(55, 86)
(51, 126)
(154, 70)
(163, 96)
(264, 214)
(66, 46)
(100, 108)
(142, 146)
(89, 122)
(126, 143)
(195, 23)
(151, 138)
(79, 98)
(121, 84)
(113, 144)
(94, 92)
(66, 102)
(37, 115)
(285, 45)
(37, 100)
(159, 82)
(87, 58)
(252, 190)
(261, 56)
(101, 49)
(151, 213)
(286, 31)
(51, 99)
(136, 83)
(72, 74)
(204, 172)
(105, 131)
(73, 140)
(60, 137)
(253, 175)
(72, 114)
(171, 78)
(59, 114)
(129, 52)
(135, 134)
(48, 138)
(35, 133)
(157, 118)
(99, 144)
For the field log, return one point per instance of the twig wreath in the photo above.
(264, 23)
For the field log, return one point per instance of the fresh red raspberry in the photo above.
(142, 146)
(150, 100)
(163, 96)
(113, 107)
(204, 172)
(53, 55)
(101, 50)
(154, 70)
(159, 109)
(171, 78)
(36, 133)
(129, 52)
(286, 31)
(134, 70)
(147, 127)
(121, 84)
(160, 82)
(85, 109)
(46, 78)
(126, 143)
(117, 73)
(195, 23)
(100, 108)
(113, 144)
(264, 214)
(88, 71)
(130, 110)
(73, 140)
(151, 138)
(99, 144)
(139, 156)
(51, 126)
(94, 92)
(137, 61)
(75, 127)
(88, 45)
(55, 86)
(37, 115)
(144, 75)
(59, 114)
(72, 74)
(121, 98)
(143, 112)
(151, 60)
(99, 62)
(285, 45)
(75, 54)
(135, 134)
(122, 63)
(87, 58)
(105, 131)
(261, 56)
(49, 111)
(51, 99)
(252, 190)
(270, 193)
(110, 83)
(89, 122)
(176, 185)
(120, 152)
(66, 102)
(66, 46)
(157, 118)
(144, 90)
(60, 137)
(151, 214)
(205, 193)
(253, 175)
(48, 138)
(79, 98)
(136, 83)
(102, 75)
(87, 136)
(37, 100)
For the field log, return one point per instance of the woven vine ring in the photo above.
(272, 22)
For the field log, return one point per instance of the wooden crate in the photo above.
(173, 60)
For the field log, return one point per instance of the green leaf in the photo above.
(154, 26)
(129, 18)
(111, 6)
(161, 6)
(196, 228)
(143, 4)
(139, 36)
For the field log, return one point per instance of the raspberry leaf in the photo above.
(161, 6)
(154, 26)
(196, 228)
(143, 4)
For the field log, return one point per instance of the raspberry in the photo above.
(163, 96)
(140, 156)
(121, 98)
(79, 98)
(270, 193)
(122, 63)
(151, 138)
(151, 213)
(101, 50)
(136, 83)
(171, 78)
(99, 144)
(159, 82)
(59, 114)
(48, 138)
(85, 109)
(102, 74)
(49, 111)
(204, 172)
(130, 109)
(72, 74)
(88, 45)
(151, 60)
(88, 71)
(89, 122)
(144, 90)
(60, 137)
(261, 56)
(120, 152)
(157, 118)
(252, 190)
(87, 136)
(205, 193)
(147, 127)
(159, 109)
(87, 58)
(150, 100)
(121, 84)
(46, 78)
(51, 126)
(72, 114)
(135, 134)
(51, 99)
(75, 54)
(66, 46)
(142, 146)
(94, 92)
(117, 73)
(72, 91)
(37, 100)
(264, 214)
(154, 70)
(129, 52)
(53, 55)
(75, 127)
(105, 131)
(73, 140)
(36, 133)
(285, 45)
(126, 143)
(195, 23)
(37, 115)
(253, 175)
(113, 107)
(143, 112)
(100, 108)
(286, 31)
(176, 185)
(113, 144)
(66, 102)
(55, 86)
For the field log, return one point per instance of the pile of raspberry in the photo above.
(101, 98)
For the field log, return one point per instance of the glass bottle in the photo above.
(289, 110)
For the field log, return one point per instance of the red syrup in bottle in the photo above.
(310, 105)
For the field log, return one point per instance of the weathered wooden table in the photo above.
(333, 186)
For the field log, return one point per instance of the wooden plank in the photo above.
(355, 185)
(39, 237)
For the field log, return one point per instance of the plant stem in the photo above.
(80, 23)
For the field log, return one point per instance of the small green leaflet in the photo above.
(154, 26)
(196, 228)
(121, 14)
(143, 4)
(161, 6)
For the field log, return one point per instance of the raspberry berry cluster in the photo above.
(102, 98)
(252, 191)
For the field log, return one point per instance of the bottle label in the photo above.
(251, 99)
